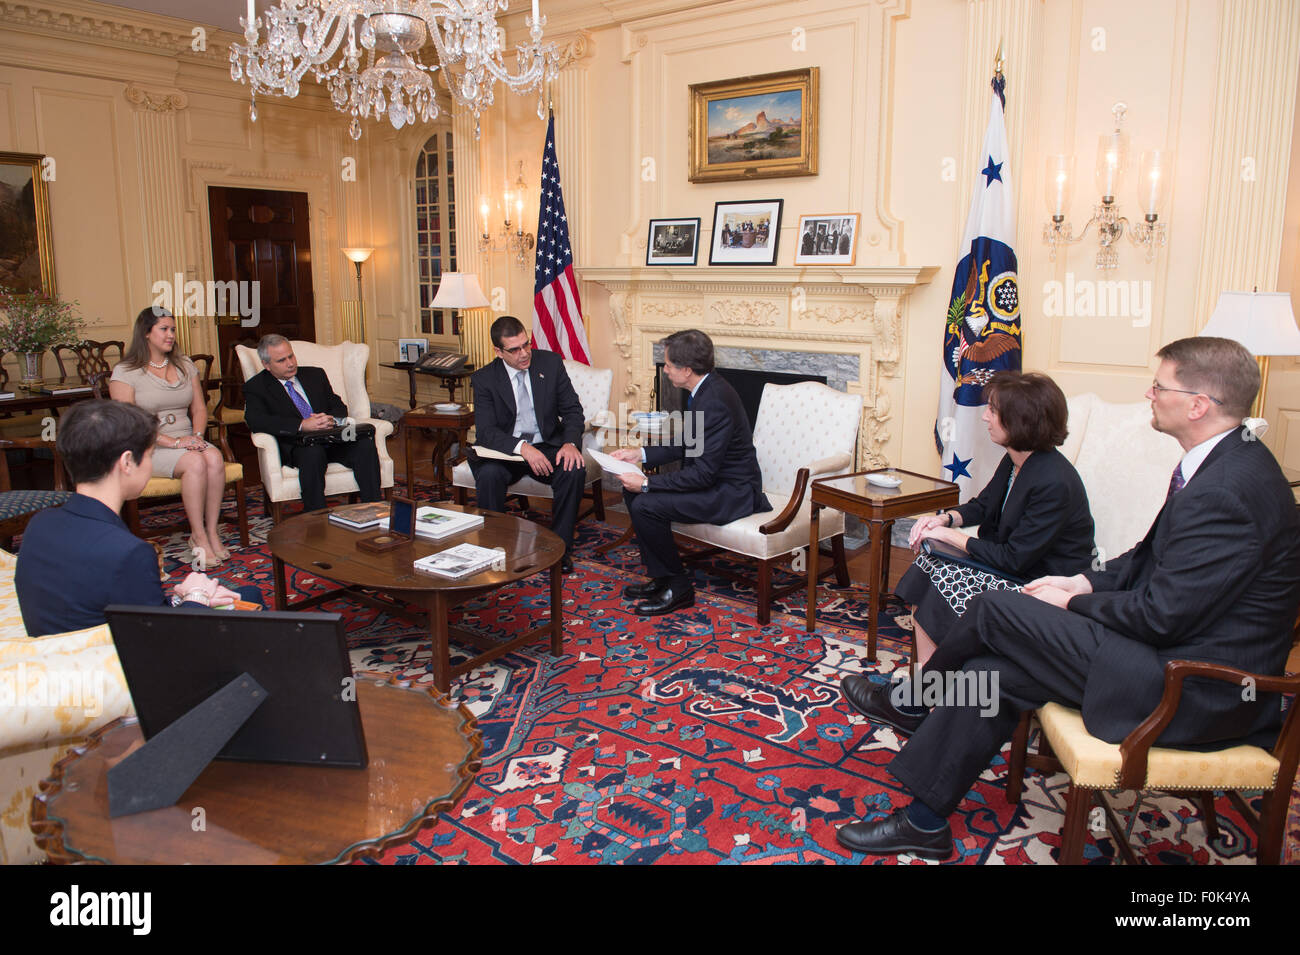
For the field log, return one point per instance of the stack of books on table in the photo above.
(435, 523)
(361, 517)
(460, 561)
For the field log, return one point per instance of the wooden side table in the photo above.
(448, 428)
(878, 508)
(423, 753)
(450, 381)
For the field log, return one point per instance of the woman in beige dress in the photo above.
(166, 384)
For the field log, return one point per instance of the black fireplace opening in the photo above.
(748, 384)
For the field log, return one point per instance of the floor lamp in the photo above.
(460, 290)
(354, 322)
(1264, 323)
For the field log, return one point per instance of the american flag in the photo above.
(557, 310)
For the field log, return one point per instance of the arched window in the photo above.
(435, 230)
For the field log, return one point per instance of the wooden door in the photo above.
(263, 236)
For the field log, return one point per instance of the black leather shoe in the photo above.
(667, 600)
(641, 591)
(872, 701)
(566, 564)
(895, 834)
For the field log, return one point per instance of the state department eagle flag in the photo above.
(982, 334)
(557, 310)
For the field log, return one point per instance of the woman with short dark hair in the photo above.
(1033, 515)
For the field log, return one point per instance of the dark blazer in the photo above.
(1217, 578)
(1045, 527)
(268, 407)
(75, 561)
(726, 466)
(555, 403)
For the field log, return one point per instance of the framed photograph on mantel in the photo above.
(673, 242)
(746, 233)
(755, 127)
(827, 240)
(26, 246)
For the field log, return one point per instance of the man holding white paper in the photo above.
(719, 482)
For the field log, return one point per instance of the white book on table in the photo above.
(460, 561)
(435, 523)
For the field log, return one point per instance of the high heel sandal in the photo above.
(210, 559)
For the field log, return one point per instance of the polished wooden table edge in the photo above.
(48, 830)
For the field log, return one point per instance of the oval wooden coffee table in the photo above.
(423, 754)
(311, 543)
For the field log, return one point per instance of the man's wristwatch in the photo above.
(645, 485)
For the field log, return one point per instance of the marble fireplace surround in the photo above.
(845, 323)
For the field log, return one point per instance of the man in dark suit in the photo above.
(719, 482)
(1217, 578)
(287, 401)
(79, 558)
(524, 404)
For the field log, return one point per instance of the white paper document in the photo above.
(613, 465)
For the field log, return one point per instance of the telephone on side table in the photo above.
(442, 362)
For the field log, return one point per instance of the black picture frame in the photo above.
(756, 221)
(665, 239)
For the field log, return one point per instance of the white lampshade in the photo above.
(1261, 321)
(459, 290)
(358, 255)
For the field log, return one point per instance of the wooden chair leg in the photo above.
(1074, 828)
(598, 499)
(1016, 762)
(765, 592)
(132, 511)
(460, 496)
(841, 561)
(241, 506)
(1272, 822)
(276, 512)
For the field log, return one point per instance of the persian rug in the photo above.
(701, 737)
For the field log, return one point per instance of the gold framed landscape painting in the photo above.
(26, 249)
(754, 127)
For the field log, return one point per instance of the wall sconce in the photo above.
(357, 320)
(1112, 163)
(515, 241)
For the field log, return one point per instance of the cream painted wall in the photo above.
(903, 89)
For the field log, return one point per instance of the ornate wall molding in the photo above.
(573, 47)
(88, 22)
(156, 102)
(745, 312)
(691, 312)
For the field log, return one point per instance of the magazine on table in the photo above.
(435, 523)
(460, 561)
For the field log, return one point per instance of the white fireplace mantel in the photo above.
(788, 317)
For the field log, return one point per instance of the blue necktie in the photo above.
(1176, 482)
(298, 400)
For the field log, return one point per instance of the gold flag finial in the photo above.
(997, 60)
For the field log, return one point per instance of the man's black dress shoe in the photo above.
(640, 591)
(566, 564)
(872, 701)
(667, 600)
(895, 834)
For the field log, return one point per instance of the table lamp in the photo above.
(458, 290)
(1264, 323)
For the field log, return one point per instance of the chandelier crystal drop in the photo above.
(367, 53)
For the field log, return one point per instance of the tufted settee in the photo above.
(54, 691)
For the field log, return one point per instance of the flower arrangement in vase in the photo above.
(33, 323)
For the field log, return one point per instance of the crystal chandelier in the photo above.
(367, 53)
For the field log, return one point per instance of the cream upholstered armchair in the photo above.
(345, 366)
(593, 386)
(64, 687)
(804, 431)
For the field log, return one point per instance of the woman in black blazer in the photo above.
(1033, 514)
